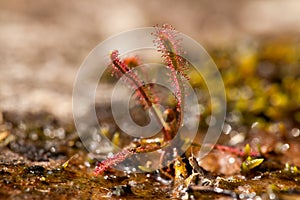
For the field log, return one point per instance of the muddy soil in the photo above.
(42, 46)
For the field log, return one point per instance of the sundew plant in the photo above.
(170, 119)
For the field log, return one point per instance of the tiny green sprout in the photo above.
(116, 139)
(291, 169)
(250, 163)
(104, 130)
(65, 164)
(296, 170)
(247, 150)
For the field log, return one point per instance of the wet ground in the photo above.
(43, 44)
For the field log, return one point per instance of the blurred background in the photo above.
(43, 43)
